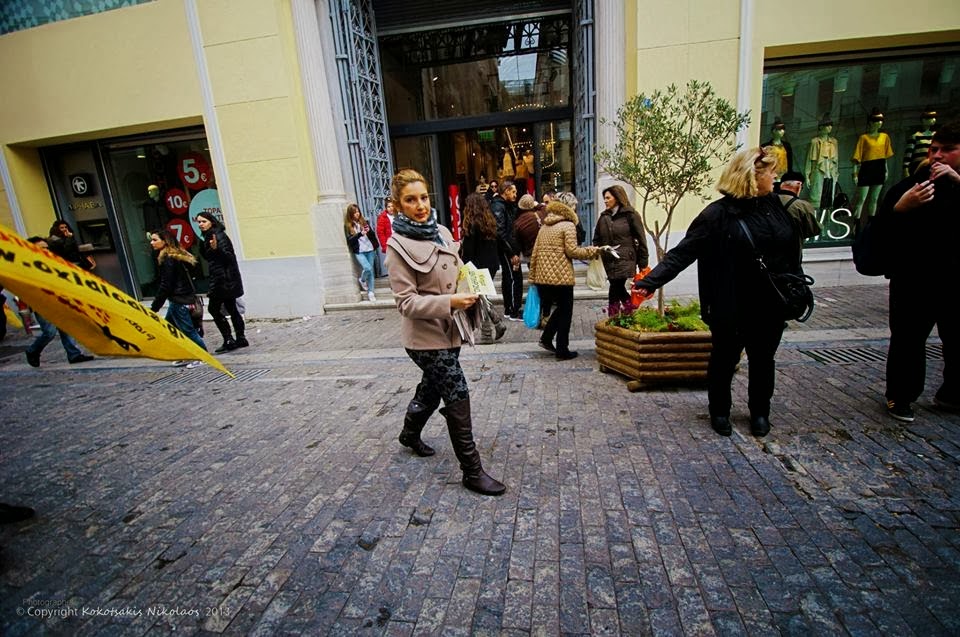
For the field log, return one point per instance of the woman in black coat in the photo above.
(481, 247)
(63, 243)
(175, 284)
(737, 299)
(225, 283)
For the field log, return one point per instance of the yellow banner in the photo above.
(104, 319)
(12, 317)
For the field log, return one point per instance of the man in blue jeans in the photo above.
(48, 331)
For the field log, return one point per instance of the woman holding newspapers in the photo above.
(424, 265)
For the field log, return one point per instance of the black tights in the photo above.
(216, 306)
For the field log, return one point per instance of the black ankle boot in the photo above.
(228, 345)
(241, 341)
(721, 424)
(413, 423)
(759, 426)
(460, 426)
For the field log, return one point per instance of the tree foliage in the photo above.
(668, 143)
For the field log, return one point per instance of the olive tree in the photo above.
(668, 143)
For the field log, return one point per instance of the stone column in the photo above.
(610, 45)
(334, 265)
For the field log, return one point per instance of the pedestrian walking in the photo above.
(176, 286)
(504, 208)
(225, 282)
(363, 243)
(48, 331)
(737, 299)
(63, 243)
(551, 269)
(424, 263)
(620, 226)
(480, 247)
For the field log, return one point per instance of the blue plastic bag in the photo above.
(531, 308)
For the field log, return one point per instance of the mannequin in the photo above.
(919, 142)
(823, 165)
(870, 166)
(154, 212)
(528, 162)
(482, 187)
(507, 171)
(781, 148)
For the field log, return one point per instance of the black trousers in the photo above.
(618, 292)
(559, 324)
(215, 306)
(760, 338)
(511, 286)
(914, 311)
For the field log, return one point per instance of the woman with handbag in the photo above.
(480, 247)
(424, 263)
(176, 285)
(362, 240)
(620, 226)
(226, 286)
(737, 298)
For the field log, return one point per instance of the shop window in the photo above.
(825, 107)
(160, 183)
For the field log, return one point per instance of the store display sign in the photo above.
(205, 201)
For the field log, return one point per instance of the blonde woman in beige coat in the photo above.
(551, 269)
(424, 262)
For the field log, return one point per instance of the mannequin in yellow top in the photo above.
(823, 165)
(781, 148)
(870, 166)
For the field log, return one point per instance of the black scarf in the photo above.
(426, 231)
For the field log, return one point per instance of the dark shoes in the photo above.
(10, 514)
(483, 484)
(33, 359)
(228, 345)
(83, 358)
(242, 342)
(499, 329)
(759, 426)
(901, 411)
(547, 345)
(567, 355)
(413, 423)
(721, 424)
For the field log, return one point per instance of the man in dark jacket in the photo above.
(527, 225)
(922, 274)
(503, 207)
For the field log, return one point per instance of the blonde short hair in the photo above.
(402, 179)
(739, 178)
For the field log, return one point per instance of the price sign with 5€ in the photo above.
(194, 170)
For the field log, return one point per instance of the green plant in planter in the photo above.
(677, 317)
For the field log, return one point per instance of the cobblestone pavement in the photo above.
(281, 503)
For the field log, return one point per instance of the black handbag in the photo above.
(793, 289)
(195, 307)
(870, 251)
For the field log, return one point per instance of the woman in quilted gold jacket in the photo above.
(551, 269)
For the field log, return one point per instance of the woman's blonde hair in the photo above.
(403, 179)
(739, 178)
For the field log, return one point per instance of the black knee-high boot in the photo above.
(413, 423)
(460, 426)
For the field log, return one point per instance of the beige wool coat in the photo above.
(551, 262)
(423, 276)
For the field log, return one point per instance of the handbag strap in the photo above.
(756, 252)
(189, 279)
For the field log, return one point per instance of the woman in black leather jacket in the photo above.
(226, 286)
(737, 300)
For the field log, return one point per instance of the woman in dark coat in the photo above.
(620, 226)
(480, 247)
(226, 286)
(737, 300)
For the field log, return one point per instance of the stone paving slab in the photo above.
(282, 504)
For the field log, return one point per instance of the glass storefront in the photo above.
(471, 105)
(138, 185)
(834, 120)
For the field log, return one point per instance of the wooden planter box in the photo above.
(652, 357)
